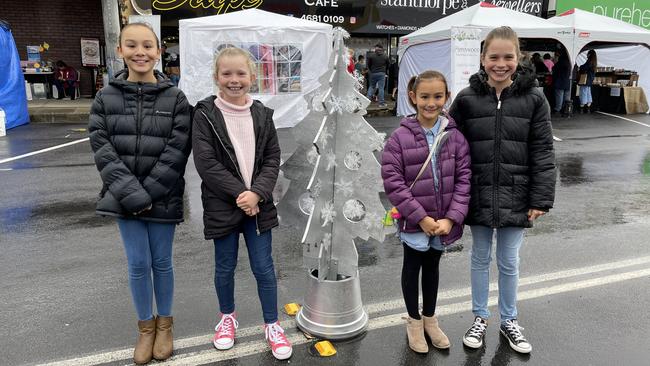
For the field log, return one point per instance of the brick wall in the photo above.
(61, 23)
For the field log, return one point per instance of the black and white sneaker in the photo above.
(473, 338)
(512, 331)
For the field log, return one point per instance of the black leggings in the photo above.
(429, 262)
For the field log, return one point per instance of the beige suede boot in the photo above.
(163, 345)
(415, 333)
(144, 346)
(437, 336)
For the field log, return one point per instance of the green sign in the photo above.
(636, 12)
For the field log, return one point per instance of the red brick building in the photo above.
(61, 24)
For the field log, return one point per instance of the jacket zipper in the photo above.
(257, 227)
(497, 158)
(138, 127)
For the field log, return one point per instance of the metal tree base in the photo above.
(332, 309)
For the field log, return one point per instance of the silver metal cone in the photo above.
(332, 309)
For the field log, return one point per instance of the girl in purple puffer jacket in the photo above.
(431, 195)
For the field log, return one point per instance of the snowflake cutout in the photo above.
(345, 187)
(335, 105)
(354, 210)
(330, 160)
(372, 222)
(377, 141)
(352, 160)
(327, 213)
(325, 135)
(356, 129)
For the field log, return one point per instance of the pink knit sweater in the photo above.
(239, 123)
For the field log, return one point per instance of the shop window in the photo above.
(278, 67)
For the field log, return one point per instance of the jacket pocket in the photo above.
(474, 199)
(520, 193)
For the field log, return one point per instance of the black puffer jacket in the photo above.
(216, 163)
(140, 133)
(511, 145)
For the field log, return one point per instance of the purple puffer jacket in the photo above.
(403, 156)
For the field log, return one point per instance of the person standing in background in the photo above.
(377, 66)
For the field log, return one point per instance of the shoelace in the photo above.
(227, 323)
(476, 330)
(515, 330)
(275, 334)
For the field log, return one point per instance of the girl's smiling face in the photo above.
(500, 62)
(139, 49)
(234, 78)
(429, 99)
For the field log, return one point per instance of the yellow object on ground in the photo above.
(325, 348)
(292, 308)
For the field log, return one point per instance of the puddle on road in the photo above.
(572, 172)
(73, 214)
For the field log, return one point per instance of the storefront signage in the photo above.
(532, 7)
(356, 16)
(636, 12)
(220, 6)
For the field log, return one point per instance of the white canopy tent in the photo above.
(429, 47)
(290, 54)
(617, 43)
(588, 27)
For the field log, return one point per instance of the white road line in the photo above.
(253, 347)
(43, 151)
(126, 354)
(625, 118)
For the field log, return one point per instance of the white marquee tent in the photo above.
(430, 46)
(627, 46)
(290, 53)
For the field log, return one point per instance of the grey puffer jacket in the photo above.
(511, 148)
(140, 134)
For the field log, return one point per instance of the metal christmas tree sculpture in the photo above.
(334, 195)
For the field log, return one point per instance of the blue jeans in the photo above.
(561, 95)
(509, 240)
(259, 254)
(377, 81)
(585, 95)
(148, 247)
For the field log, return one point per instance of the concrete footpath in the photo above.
(66, 110)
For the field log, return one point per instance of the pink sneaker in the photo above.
(278, 342)
(224, 338)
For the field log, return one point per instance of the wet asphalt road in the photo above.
(584, 267)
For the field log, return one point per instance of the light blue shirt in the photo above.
(420, 241)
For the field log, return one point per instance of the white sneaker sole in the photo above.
(514, 346)
(471, 344)
(223, 347)
(281, 357)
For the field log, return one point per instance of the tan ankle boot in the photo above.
(415, 332)
(163, 346)
(437, 336)
(144, 346)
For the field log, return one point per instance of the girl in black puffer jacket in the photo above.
(140, 133)
(507, 123)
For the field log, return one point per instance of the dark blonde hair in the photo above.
(426, 75)
(503, 32)
(234, 52)
(140, 24)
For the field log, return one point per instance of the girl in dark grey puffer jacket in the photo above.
(140, 133)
